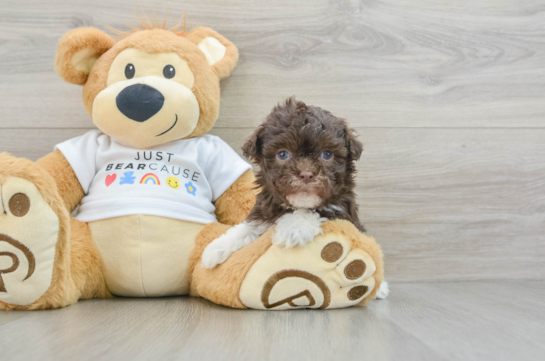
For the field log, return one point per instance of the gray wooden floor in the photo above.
(420, 321)
(448, 97)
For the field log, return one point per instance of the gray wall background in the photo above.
(448, 98)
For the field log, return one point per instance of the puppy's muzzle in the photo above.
(139, 102)
(306, 176)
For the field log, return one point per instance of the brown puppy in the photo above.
(307, 159)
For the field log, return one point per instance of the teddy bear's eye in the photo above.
(129, 71)
(169, 71)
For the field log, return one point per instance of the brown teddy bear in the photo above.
(154, 189)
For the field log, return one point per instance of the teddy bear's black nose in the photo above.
(139, 102)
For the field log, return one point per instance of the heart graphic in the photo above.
(110, 179)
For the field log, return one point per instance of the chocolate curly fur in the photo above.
(305, 132)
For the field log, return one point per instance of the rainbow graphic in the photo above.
(150, 178)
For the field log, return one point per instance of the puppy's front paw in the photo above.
(297, 228)
(215, 254)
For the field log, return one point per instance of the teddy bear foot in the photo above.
(328, 272)
(340, 268)
(29, 230)
(34, 245)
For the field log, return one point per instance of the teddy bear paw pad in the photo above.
(29, 231)
(325, 273)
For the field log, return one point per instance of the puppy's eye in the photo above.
(169, 71)
(283, 155)
(129, 71)
(327, 155)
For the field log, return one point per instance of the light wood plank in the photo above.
(385, 63)
(466, 204)
(7, 317)
(457, 204)
(472, 321)
(450, 321)
(181, 329)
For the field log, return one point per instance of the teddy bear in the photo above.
(151, 189)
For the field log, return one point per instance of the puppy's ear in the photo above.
(355, 148)
(221, 54)
(77, 52)
(252, 149)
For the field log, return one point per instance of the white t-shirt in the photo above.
(179, 180)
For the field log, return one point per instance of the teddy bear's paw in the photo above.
(29, 230)
(329, 272)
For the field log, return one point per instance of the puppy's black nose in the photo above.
(139, 102)
(306, 176)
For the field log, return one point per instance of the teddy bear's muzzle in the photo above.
(139, 102)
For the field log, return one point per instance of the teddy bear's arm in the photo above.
(68, 184)
(234, 205)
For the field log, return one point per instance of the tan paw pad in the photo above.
(29, 230)
(356, 267)
(352, 295)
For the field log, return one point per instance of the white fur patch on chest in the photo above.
(297, 228)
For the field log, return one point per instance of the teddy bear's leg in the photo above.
(39, 266)
(340, 268)
(86, 264)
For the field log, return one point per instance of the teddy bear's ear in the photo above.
(221, 54)
(77, 52)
